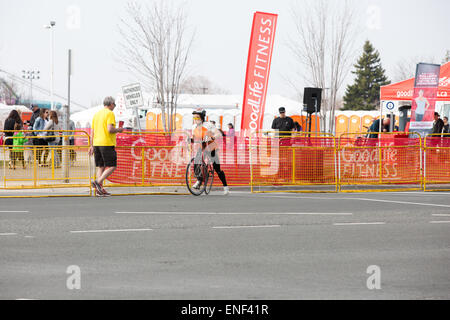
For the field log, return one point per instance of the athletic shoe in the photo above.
(226, 191)
(197, 185)
(98, 188)
(105, 193)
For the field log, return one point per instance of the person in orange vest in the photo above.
(206, 133)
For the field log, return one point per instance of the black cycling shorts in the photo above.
(105, 156)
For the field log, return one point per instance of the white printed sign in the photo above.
(132, 95)
(390, 106)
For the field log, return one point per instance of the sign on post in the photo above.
(132, 95)
(390, 106)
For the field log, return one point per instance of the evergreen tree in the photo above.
(364, 94)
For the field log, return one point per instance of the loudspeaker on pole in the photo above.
(311, 96)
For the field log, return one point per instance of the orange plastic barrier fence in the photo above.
(266, 161)
(390, 159)
(436, 161)
(290, 163)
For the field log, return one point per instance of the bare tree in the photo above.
(10, 91)
(155, 46)
(447, 57)
(200, 85)
(406, 67)
(323, 42)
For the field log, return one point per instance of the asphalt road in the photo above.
(242, 246)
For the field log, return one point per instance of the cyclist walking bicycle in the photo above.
(203, 136)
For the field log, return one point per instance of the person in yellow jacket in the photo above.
(103, 144)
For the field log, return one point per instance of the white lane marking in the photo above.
(367, 199)
(357, 223)
(406, 202)
(240, 227)
(418, 193)
(240, 213)
(10, 211)
(8, 234)
(441, 214)
(110, 230)
(447, 221)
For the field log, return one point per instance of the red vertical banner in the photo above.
(424, 97)
(258, 69)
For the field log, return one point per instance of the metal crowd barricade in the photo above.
(265, 161)
(293, 162)
(43, 167)
(391, 162)
(436, 164)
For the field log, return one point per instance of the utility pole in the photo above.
(66, 144)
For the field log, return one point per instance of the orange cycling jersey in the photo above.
(200, 133)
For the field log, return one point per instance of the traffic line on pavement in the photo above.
(357, 223)
(241, 227)
(238, 213)
(110, 230)
(443, 221)
(11, 211)
(366, 199)
(8, 234)
(441, 214)
(405, 202)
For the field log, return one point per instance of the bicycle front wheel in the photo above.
(193, 172)
(209, 179)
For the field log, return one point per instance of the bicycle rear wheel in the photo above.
(192, 172)
(209, 179)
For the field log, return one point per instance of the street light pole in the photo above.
(31, 74)
(51, 26)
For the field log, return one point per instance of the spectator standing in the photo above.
(446, 126)
(39, 124)
(297, 126)
(438, 124)
(73, 154)
(54, 124)
(375, 127)
(10, 124)
(231, 131)
(35, 115)
(18, 149)
(104, 141)
(283, 123)
(218, 128)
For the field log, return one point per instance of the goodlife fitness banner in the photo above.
(424, 97)
(258, 68)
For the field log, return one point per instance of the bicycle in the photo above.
(200, 171)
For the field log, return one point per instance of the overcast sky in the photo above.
(403, 29)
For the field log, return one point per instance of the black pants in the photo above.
(42, 148)
(216, 165)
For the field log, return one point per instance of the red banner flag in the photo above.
(258, 68)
